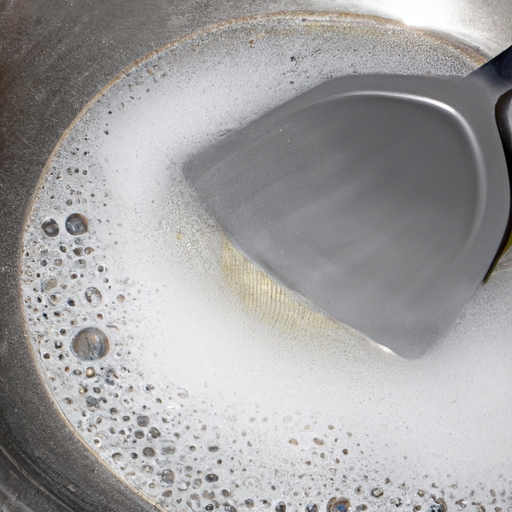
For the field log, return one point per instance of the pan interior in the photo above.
(196, 378)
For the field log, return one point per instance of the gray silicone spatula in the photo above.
(383, 200)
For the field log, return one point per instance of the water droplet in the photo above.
(148, 452)
(211, 477)
(143, 421)
(89, 344)
(421, 493)
(93, 296)
(90, 372)
(377, 492)
(167, 477)
(50, 228)
(338, 505)
(121, 298)
(76, 224)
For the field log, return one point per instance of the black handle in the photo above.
(497, 73)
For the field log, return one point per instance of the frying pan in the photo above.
(54, 58)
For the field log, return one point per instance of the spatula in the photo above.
(384, 200)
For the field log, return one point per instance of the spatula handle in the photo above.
(497, 73)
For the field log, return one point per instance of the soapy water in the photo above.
(199, 381)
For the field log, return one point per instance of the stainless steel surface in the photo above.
(55, 56)
(381, 200)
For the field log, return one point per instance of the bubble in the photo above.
(143, 421)
(148, 452)
(211, 477)
(167, 477)
(54, 299)
(139, 434)
(154, 432)
(90, 372)
(183, 485)
(311, 507)
(440, 506)
(76, 224)
(281, 507)
(93, 296)
(49, 284)
(338, 505)
(249, 503)
(89, 344)
(50, 228)
(377, 492)
(91, 402)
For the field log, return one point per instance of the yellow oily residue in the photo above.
(271, 302)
